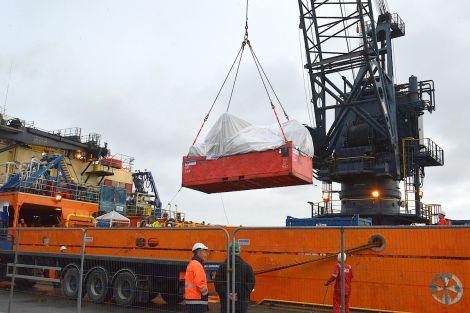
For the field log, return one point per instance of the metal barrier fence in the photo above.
(92, 270)
(395, 269)
(32, 261)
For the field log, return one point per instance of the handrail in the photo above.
(69, 216)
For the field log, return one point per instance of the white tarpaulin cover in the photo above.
(113, 216)
(231, 135)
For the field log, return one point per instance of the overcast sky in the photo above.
(144, 73)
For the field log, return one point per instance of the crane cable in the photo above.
(260, 69)
(278, 268)
(236, 75)
(302, 69)
(217, 96)
(346, 32)
(261, 73)
(168, 206)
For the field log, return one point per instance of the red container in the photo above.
(285, 166)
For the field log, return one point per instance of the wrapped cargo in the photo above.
(231, 135)
(239, 156)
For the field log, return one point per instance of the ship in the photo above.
(88, 211)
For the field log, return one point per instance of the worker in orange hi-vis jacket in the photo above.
(336, 277)
(196, 291)
(442, 218)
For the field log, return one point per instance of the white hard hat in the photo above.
(198, 246)
(62, 248)
(339, 257)
(441, 212)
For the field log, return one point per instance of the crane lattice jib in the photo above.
(343, 61)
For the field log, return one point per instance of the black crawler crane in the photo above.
(368, 129)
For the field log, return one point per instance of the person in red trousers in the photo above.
(336, 277)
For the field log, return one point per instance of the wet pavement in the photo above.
(43, 299)
(46, 299)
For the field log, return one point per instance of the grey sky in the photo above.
(144, 73)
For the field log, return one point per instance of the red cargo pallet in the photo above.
(285, 166)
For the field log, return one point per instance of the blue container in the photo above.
(328, 221)
(5, 243)
(461, 222)
(4, 217)
(103, 224)
(113, 199)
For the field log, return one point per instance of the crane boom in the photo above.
(360, 120)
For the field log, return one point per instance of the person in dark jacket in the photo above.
(244, 282)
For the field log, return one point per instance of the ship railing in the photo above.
(175, 215)
(426, 212)
(8, 169)
(140, 204)
(432, 149)
(68, 132)
(92, 139)
(127, 161)
(149, 211)
(139, 210)
(326, 208)
(51, 188)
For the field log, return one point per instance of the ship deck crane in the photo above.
(367, 133)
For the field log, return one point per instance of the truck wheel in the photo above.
(125, 289)
(97, 286)
(70, 283)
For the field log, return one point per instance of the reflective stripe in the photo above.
(195, 302)
(190, 286)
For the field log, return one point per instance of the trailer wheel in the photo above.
(70, 283)
(125, 289)
(97, 286)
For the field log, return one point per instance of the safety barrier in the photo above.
(123, 269)
(145, 267)
(395, 269)
(33, 263)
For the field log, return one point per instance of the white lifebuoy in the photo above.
(446, 288)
